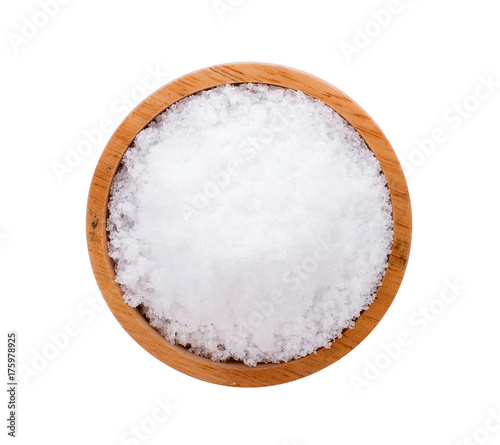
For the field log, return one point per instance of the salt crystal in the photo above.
(250, 222)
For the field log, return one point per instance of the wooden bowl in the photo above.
(178, 357)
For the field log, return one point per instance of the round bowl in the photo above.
(235, 373)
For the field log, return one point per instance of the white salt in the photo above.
(250, 222)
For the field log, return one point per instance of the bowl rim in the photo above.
(178, 357)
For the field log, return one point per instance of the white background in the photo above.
(411, 76)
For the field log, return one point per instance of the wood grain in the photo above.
(235, 373)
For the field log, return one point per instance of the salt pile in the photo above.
(250, 222)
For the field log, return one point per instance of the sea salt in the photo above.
(250, 222)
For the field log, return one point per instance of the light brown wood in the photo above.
(234, 373)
